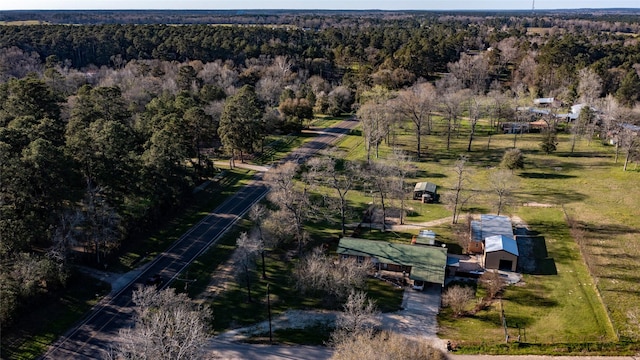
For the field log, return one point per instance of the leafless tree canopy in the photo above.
(318, 273)
(359, 314)
(457, 298)
(167, 326)
(503, 183)
(248, 247)
(375, 119)
(416, 104)
(385, 345)
(292, 201)
(492, 282)
(338, 176)
(459, 194)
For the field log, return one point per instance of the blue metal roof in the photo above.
(491, 225)
(501, 242)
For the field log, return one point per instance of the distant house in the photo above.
(539, 125)
(424, 264)
(614, 135)
(425, 191)
(487, 226)
(515, 127)
(500, 252)
(544, 101)
(548, 102)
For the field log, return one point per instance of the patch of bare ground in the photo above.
(536, 204)
(221, 279)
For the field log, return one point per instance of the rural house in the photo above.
(424, 264)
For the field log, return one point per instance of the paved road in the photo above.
(240, 351)
(93, 337)
(537, 357)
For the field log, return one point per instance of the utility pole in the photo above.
(269, 311)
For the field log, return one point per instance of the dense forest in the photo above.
(106, 128)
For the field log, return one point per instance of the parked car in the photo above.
(418, 285)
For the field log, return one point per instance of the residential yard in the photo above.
(601, 203)
(232, 309)
(544, 308)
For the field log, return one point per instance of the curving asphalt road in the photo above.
(93, 337)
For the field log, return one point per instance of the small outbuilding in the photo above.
(501, 252)
(425, 191)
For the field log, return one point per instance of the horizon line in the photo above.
(309, 9)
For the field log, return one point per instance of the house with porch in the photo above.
(423, 264)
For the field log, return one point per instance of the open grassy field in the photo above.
(596, 256)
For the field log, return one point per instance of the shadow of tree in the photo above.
(531, 297)
(535, 175)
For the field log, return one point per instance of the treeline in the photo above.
(412, 45)
(422, 47)
(310, 19)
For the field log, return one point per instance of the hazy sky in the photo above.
(322, 4)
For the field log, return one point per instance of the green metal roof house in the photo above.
(427, 263)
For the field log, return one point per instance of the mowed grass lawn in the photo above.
(592, 189)
(543, 308)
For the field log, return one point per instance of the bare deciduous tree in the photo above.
(359, 315)
(293, 201)
(374, 118)
(385, 345)
(318, 273)
(66, 235)
(402, 169)
(101, 222)
(472, 71)
(457, 298)
(451, 106)
(503, 183)
(492, 282)
(589, 86)
(244, 256)
(258, 214)
(630, 142)
(475, 113)
(167, 326)
(380, 177)
(416, 104)
(458, 196)
(338, 175)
